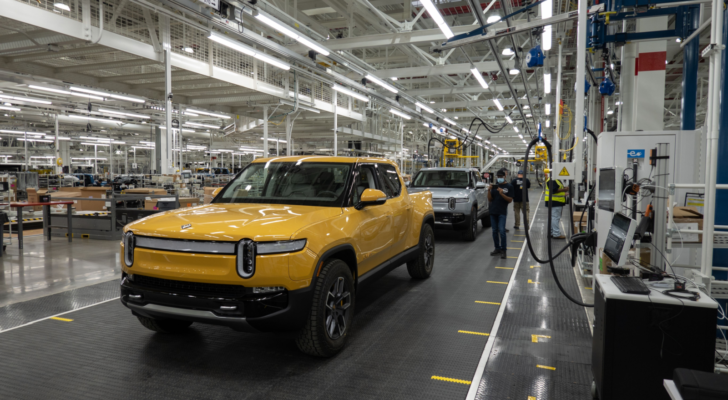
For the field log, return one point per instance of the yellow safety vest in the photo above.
(558, 197)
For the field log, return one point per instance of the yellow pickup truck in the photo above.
(285, 246)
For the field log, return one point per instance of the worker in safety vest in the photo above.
(556, 193)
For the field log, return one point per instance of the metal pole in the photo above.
(557, 105)
(126, 160)
(59, 168)
(265, 132)
(96, 160)
(691, 60)
(580, 76)
(25, 144)
(336, 123)
(164, 137)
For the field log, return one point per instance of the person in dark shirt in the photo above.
(519, 201)
(499, 196)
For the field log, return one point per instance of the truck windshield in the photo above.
(308, 183)
(442, 178)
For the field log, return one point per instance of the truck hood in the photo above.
(232, 222)
(441, 193)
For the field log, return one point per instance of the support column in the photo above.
(336, 123)
(96, 159)
(265, 132)
(691, 58)
(164, 143)
(126, 160)
(58, 168)
(627, 86)
(288, 135)
(649, 94)
(580, 77)
(557, 102)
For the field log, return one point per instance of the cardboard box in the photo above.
(146, 191)
(687, 218)
(64, 194)
(92, 193)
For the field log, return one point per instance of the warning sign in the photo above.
(564, 170)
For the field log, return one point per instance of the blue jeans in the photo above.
(498, 224)
(555, 220)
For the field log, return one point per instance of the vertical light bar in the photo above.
(547, 83)
(548, 108)
(479, 77)
(435, 14)
(546, 12)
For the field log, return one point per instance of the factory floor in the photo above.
(481, 327)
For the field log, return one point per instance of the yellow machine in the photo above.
(453, 153)
(541, 153)
(283, 247)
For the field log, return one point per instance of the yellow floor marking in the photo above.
(520, 235)
(587, 288)
(519, 241)
(487, 302)
(535, 266)
(512, 257)
(62, 319)
(442, 378)
(532, 398)
(502, 283)
(504, 267)
(530, 281)
(534, 338)
(546, 367)
(475, 333)
(513, 248)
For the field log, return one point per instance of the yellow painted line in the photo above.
(520, 235)
(475, 333)
(62, 319)
(546, 367)
(513, 248)
(534, 338)
(535, 266)
(442, 378)
(487, 302)
(530, 281)
(512, 257)
(502, 283)
(504, 267)
(587, 288)
(532, 398)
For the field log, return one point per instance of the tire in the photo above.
(164, 325)
(486, 221)
(472, 231)
(421, 267)
(324, 336)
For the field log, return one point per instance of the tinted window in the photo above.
(442, 178)
(364, 180)
(390, 180)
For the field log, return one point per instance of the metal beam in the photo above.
(107, 65)
(73, 52)
(430, 70)
(147, 76)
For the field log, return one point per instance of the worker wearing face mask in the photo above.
(499, 196)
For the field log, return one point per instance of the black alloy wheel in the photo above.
(473, 229)
(338, 302)
(421, 266)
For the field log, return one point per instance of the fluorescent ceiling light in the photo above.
(424, 107)
(381, 83)
(104, 94)
(292, 34)
(394, 78)
(547, 83)
(498, 104)
(508, 52)
(510, 121)
(62, 6)
(514, 71)
(435, 14)
(47, 89)
(520, 136)
(493, 18)
(202, 125)
(548, 123)
(128, 114)
(401, 114)
(36, 140)
(478, 137)
(92, 118)
(59, 137)
(479, 77)
(207, 113)
(235, 45)
(273, 140)
(183, 130)
(610, 112)
(96, 144)
(515, 128)
(449, 121)
(424, 123)
(432, 102)
(548, 108)
(29, 100)
(528, 115)
(9, 108)
(547, 8)
(526, 107)
(351, 93)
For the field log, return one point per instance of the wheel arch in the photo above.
(344, 252)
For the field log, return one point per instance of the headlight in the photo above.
(462, 199)
(245, 258)
(287, 246)
(129, 248)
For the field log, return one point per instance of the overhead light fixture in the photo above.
(424, 107)
(435, 15)
(520, 136)
(514, 71)
(59, 137)
(451, 122)
(493, 18)
(515, 128)
(529, 115)
(207, 113)
(27, 99)
(432, 102)
(62, 6)
(202, 125)
(394, 78)
(292, 34)
(424, 123)
(35, 140)
(479, 77)
(610, 112)
(235, 45)
(508, 52)
(48, 89)
(526, 107)
(9, 108)
(401, 114)
(128, 114)
(498, 104)
(547, 83)
(183, 130)
(92, 118)
(548, 123)
(478, 137)
(38, 134)
(546, 12)
(677, 40)
(351, 93)
(189, 50)
(381, 83)
(510, 121)
(548, 108)
(95, 144)
(102, 95)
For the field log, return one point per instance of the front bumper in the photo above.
(229, 305)
(457, 218)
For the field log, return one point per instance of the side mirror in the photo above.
(480, 185)
(371, 197)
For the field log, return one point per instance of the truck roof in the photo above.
(348, 160)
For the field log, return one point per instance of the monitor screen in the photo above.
(606, 195)
(617, 237)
